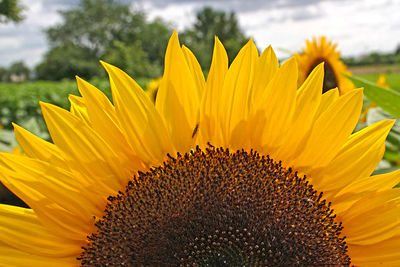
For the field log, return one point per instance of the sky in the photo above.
(359, 27)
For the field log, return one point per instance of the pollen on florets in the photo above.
(217, 208)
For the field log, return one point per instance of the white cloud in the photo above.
(181, 15)
(26, 41)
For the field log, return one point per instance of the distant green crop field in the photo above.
(393, 79)
(19, 102)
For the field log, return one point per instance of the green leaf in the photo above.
(386, 170)
(387, 99)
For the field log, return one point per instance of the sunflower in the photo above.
(321, 50)
(240, 169)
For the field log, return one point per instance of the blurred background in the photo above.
(45, 43)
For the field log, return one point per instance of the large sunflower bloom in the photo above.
(190, 200)
(321, 50)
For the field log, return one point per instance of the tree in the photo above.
(210, 23)
(397, 51)
(132, 59)
(11, 10)
(3, 74)
(95, 24)
(66, 61)
(100, 28)
(18, 71)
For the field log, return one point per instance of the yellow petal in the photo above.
(209, 109)
(140, 123)
(56, 219)
(82, 148)
(11, 257)
(44, 188)
(331, 131)
(178, 98)
(380, 217)
(357, 158)
(267, 67)
(326, 100)
(235, 94)
(103, 119)
(56, 184)
(358, 189)
(307, 101)
(78, 107)
(277, 102)
(195, 69)
(385, 253)
(21, 229)
(36, 147)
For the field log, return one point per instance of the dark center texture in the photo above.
(216, 208)
(330, 80)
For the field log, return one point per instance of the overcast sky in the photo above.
(358, 26)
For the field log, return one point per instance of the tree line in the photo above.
(118, 34)
(375, 58)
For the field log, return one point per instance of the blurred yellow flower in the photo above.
(237, 170)
(321, 50)
(152, 88)
(381, 81)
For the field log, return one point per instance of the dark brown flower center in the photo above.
(217, 208)
(330, 80)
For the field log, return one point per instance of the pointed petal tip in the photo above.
(103, 63)
(390, 123)
(46, 106)
(291, 63)
(106, 66)
(321, 65)
(217, 41)
(359, 90)
(15, 126)
(174, 36)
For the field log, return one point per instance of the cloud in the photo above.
(237, 5)
(358, 26)
(26, 41)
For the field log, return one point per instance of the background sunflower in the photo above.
(318, 50)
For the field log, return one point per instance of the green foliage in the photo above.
(387, 99)
(209, 23)
(19, 102)
(66, 61)
(132, 59)
(3, 74)
(393, 79)
(374, 58)
(391, 160)
(108, 30)
(17, 69)
(96, 24)
(11, 10)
